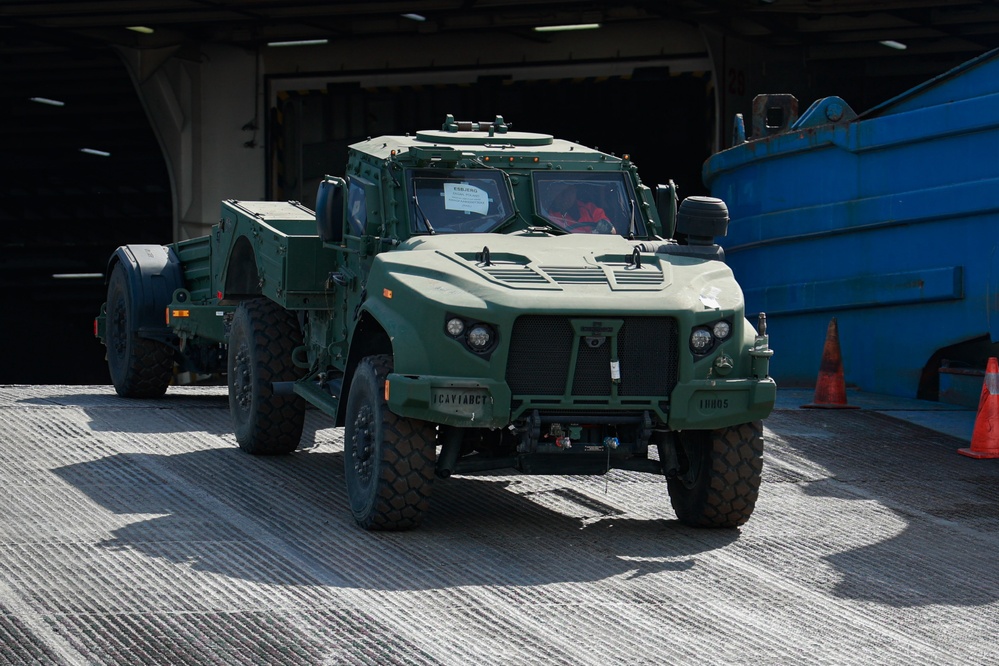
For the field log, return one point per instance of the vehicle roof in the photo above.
(382, 147)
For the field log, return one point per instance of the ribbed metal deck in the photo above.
(135, 532)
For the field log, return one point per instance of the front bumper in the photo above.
(717, 403)
(481, 403)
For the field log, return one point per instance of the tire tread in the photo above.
(275, 427)
(406, 468)
(726, 495)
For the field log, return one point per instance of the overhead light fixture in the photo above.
(892, 44)
(140, 28)
(415, 17)
(46, 100)
(94, 151)
(300, 42)
(569, 26)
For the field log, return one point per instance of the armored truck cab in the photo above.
(466, 299)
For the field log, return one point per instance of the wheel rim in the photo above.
(363, 444)
(242, 385)
(694, 461)
(117, 331)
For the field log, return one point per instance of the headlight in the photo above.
(480, 337)
(455, 327)
(721, 329)
(701, 340)
(474, 336)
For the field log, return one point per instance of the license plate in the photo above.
(463, 402)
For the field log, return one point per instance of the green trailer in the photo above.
(462, 300)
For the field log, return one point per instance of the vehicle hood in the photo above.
(580, 272)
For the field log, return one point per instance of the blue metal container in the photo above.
(888, 221)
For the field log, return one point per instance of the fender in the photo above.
(400, 331)
(382, 326)
(154, 273)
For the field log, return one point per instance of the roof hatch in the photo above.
(497, 132)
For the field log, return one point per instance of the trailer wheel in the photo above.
(720, 475)
(388, 460)
(261, 341)
(139, 367)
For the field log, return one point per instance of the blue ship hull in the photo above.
(888, 222)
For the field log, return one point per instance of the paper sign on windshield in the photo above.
(462, 196)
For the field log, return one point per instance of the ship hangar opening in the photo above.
(91, 165)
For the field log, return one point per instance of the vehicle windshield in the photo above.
(459, 201)
(595, 203)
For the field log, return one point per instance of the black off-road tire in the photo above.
(388, 459)
(261, 341)
(139, 367)
(723, 472)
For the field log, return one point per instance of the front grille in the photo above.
(592, 370)
(541, 349)
(650, 355)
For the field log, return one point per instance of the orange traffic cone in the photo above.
(985, 438)
(830, 388)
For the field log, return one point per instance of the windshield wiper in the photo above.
(549, 227)
(515, 213)
(426, 220)
(631, 227)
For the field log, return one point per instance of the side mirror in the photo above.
(330, 209)
(666, 205)
(702, 219)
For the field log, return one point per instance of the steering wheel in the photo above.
(602, 226)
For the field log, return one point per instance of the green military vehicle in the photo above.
(466, 299)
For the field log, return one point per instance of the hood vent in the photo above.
(514, 275)
(628, 277)
(575, 274)
(648, 277)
